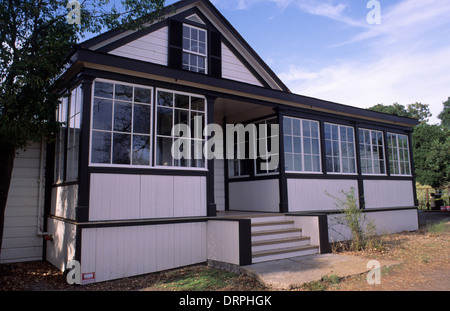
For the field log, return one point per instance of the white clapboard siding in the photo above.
(257, 195)
(20, 239)
(311, 194)
(118, 252)
(234, 69)
(127, 196)
(151, 48)
(388, 193)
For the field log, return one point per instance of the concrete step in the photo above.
(283, 253)
(274, 244)
(267, 218)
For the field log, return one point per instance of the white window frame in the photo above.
(303, 171)
(172, 167)
(189, 52)
(114, 82)
(340, 150)
(398, 162)
(371, 152)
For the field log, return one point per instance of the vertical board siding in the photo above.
(257, 195)
(121, 196)
(150, 48)
(20, 239)
(119, 252)
(223, 241)
(62, 248)
(64, 201)
(234, 69)
(388, 193)
(311, 194)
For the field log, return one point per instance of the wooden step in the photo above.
(272, 225)
(283, 253)
(276, 234)
(273, 244)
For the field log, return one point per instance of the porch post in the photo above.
(284, 208)
(210, 199)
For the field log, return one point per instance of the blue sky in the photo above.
(327, 49)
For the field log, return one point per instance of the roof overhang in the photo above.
(82, 59)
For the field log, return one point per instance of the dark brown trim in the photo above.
(245, 242)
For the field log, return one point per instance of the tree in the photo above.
(430, 143)
(36, 39)
(444, 116)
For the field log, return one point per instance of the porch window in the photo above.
(340, 149)
(67, 144)
(267, 139)
(121, 124)
(399, 162)
(371, 150)
(194, 49)
(239, 167)
(179, 108)
(60, 142)
(301, 145)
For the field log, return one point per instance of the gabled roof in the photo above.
(206, 10)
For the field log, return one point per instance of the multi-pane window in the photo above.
(301, 145)
(67, 144)
(60, 142)
(194, 49)
(239, 167)
(371, 152)
(267, 153)
(73, 137)
(399, 162)
(340, 149)
(179, 108)
(121, 124)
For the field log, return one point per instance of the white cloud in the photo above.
(405, 59)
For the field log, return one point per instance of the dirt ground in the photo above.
(424, 257)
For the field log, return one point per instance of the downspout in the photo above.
(41, 182)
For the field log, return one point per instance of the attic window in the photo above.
(194, 49)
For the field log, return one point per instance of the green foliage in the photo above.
(431, 143)
(444, 116)
(36, 41)
(362, 229)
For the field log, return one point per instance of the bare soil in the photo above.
(424, 257)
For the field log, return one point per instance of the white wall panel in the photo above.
(388, 193)
(256, 195)
(62, 248)
(122, 196)
(310, 194)
(118, 252)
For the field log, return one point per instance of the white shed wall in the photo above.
(20, 239)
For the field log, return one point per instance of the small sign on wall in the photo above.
(88, 278)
